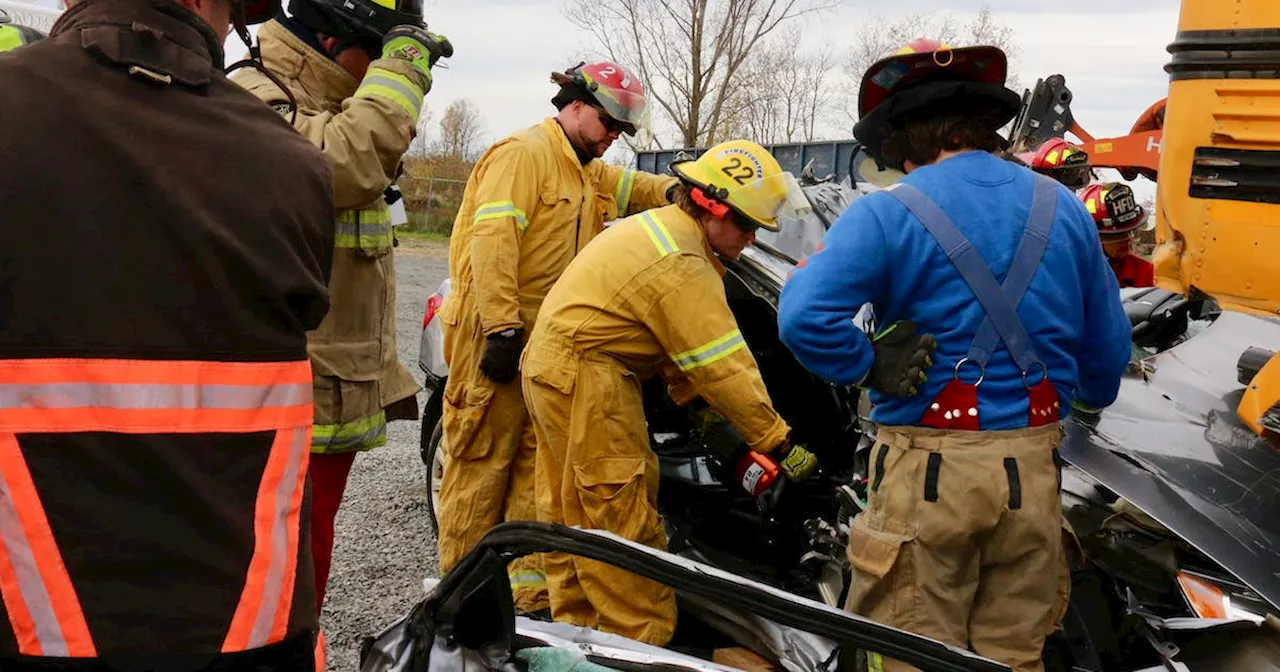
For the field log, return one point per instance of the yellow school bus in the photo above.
(1218, 214)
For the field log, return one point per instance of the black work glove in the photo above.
(902, 358)
(501, 361)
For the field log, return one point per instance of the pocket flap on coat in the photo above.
(871, 549)
(357, 361)
(553, 196)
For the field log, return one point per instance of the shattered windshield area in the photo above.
(800, 237)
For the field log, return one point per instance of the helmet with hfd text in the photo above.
(1113, 207)
(614, 89)
(742, 176)
(1061, 161)
(927, 75)
(362, 22)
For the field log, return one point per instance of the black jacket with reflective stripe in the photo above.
(150, 209)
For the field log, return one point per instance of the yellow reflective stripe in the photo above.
(500, 209)
(369, 229)
(658, 233)
(623, 193)
(875, 662)
(394, 87)
(363, 434)
(528, 580)
(710, 353)
(10, 38)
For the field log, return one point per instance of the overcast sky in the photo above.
(1112, 52)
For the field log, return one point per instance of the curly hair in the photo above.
(921, 137)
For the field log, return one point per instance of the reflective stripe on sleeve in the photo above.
(622, 195)
(710, 353)
(367, 229)
(501, 209)
(392, 86)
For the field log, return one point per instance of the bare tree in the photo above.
(689, 53)
(418, 148)
(461, 128)
(785, 92)
(787, 89)
(878, 37)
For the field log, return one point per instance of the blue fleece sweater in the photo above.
(878, 252)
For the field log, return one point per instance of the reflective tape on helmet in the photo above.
(147, 397)
(1052, 158)
(364, 229)
(710, 353)
(501, 209)
(622, 195)
(363, 434)
(392, 86)
(262, 616)
(658, 233)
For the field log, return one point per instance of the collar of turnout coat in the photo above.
(286, 54)
(161, 36)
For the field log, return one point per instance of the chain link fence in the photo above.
(431, 203)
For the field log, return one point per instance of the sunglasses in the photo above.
(745, 225)
(613, 125)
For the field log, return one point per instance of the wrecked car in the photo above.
(467, 620)
(1171, 498)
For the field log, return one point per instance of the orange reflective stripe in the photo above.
(262, 617)
(43, 608)
(319, 656)
(147, 396)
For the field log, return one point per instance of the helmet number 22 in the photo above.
(738, 171)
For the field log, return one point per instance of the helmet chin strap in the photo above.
(241, 25)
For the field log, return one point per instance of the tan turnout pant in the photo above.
(962, 541)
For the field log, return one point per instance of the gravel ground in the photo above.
(384, 546)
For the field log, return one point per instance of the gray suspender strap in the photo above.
(999, 302)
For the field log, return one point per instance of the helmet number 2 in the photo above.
(738, 171)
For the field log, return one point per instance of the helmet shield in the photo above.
(765, 201)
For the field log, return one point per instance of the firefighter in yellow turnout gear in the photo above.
(533, 201)
(647, 295)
